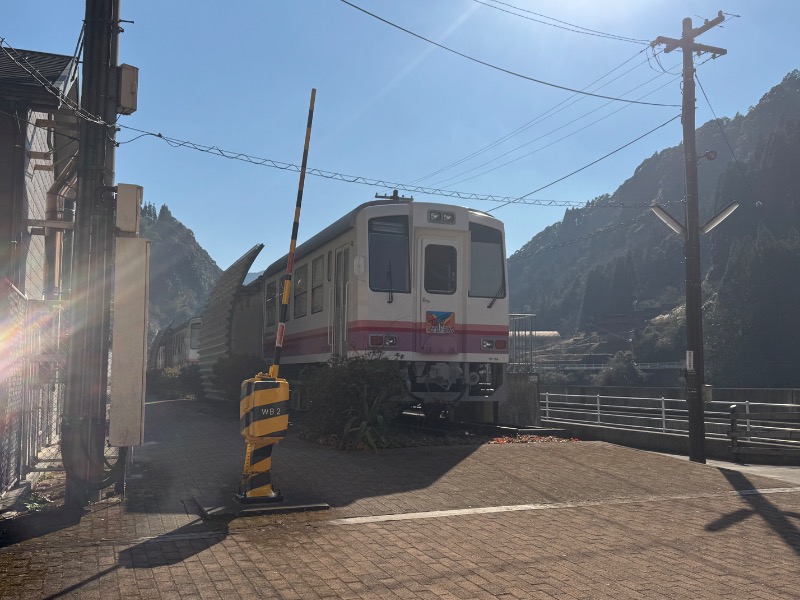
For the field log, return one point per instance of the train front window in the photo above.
(388, 255)
(440, 269)
(194, 336)
(487, 268)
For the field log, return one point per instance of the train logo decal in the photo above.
(440, 322)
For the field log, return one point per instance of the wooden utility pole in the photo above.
(694, 315)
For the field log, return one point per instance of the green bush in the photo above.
(175, 382)
(230, 372)
(354, 397)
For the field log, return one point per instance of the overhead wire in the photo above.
(607, 229)
(47, 85)
(563, 24)
(594, 162)
(725, 137)
(502, 69)
(549, 133)
(557, 108)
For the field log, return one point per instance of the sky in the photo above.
(395, 108)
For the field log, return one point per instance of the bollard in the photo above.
(264, 419)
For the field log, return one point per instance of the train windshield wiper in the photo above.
(389, 277)
(497, 294)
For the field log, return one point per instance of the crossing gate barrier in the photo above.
(264, 419)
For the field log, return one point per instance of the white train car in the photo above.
(179, 345)
(418, 282)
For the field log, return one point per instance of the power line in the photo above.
(241, 156)
(551, 132)
(563, 105)
(45, 83)
(564, 25)
(501, 69)
(725, 137)
(608, 229)
(594, 162)
(267, 162)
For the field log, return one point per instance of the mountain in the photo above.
(181, 271)
(611, 266)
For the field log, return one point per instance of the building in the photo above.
(38, 151)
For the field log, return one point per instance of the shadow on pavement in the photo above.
(778, 520)
(164, 550)
(37, 524)
(195, 450)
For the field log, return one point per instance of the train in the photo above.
(421, 283)
(178, 345)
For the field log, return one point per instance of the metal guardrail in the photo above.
(670, 415)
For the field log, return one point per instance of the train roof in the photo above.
(333, 231)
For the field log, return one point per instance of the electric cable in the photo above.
(725, 137)
(549, 133)
(564, 25)
(501, 69)
(557, 108)
(594, 162)
(607, 229)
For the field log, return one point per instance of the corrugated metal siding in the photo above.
(215, 335)
(35, 207)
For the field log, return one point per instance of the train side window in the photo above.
(440, 269)
(301, 292)
(388, 255)
(194, 336)
(317, 284)
(271, 304)
(486, 272)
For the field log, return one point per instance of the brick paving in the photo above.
(600, 521)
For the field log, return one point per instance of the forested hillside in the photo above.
(613, 267)
(181, 271)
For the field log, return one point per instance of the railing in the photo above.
(666, 415)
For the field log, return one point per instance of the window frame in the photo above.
(318, 284)
(491, 231)
(425, 270)
(300, 292)
(373, 255)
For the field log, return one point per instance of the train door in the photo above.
(341, 283)
(441, 311)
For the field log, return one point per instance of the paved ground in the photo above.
(569, 520)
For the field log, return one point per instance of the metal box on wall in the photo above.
(129, 341)
(129, 207)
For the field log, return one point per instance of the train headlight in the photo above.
(448, 218)
(390, 341)
(435, 216)
(487, 344)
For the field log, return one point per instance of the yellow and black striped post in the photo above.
(264, 404)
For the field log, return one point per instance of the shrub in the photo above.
(350, 392)
(175, 382)
(230, 372)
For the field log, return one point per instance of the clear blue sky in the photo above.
(238, 75)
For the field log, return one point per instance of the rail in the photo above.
(670, 415)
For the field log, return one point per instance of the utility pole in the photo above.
(84, 419)
(694, 315)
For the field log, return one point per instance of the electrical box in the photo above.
(129, 207)
(129, 341)
(128, 89)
